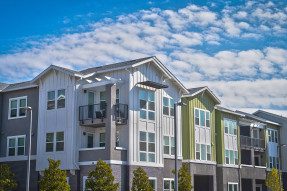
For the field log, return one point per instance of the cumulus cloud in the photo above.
(180, 39)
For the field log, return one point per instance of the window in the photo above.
(17, 107)
(102, 142)
(168, 106)
(117, 96)
(90, 140)
(274, 162)
(61, 99)
(59, 141)
(273, 135)
(147, 104)
(231, 157)
(168, 145)
(16, 145)
(203, 152)
(202, 118)
(117, 138)
(230, 126)
(153, 184)
(85, 178)
(54, 141)
(147, 146)
(51, 100)
(49, 142)
(168, 184)
(232, 186)
(103, 102)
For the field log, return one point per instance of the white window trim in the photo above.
(147, 152)
(84, 182)
(227, 119)
(170, 146)
(170, 106)
(147, 110)
(154, 178)
(206, 111)
(56, 99)
(230, 157)
(16, 145)
(55, 142)
(167, 179)
(275, 133)
(102, 132)
(232, 183)
(206, 152)
(18, 107)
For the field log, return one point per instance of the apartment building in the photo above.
(282, 147)
(123, 113)
(259, 140)
(199, 141)
(228, 155)
(120, 113)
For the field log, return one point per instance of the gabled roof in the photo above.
(3, 86)
(226, 110)
(269, 113)
(195, 91)
(58, 68)
(254, 117)
(132, 64)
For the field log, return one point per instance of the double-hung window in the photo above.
(16, 145)
(147, 104)
(51, 99)
(54, 141)
(147, 146)
(168, 106)
(168, 145)
(17, 107)
(168, 184)
(232, 186)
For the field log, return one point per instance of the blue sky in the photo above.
(238, 48)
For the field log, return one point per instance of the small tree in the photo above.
(7, 178)
(54, 178)
(101, 179)
(273, 180)
(184, 179)
(141, 181)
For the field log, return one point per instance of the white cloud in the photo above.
(173, 36)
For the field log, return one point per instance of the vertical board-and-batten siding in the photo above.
(56, 120)
(201, 101)
(148, 72)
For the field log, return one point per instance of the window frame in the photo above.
(171, 145)
(17, 107)
(273, 136)
(16, 137)
(55, 142)
(198, 149)
(228, 122)
(154, 179)
(59, 99)
(234, 184)
(148, 102)
(56, 99)
(85, 178)
(169, 107)
(147, 151)
(170, 180)
(235, 157)
(199, 118)
(61, 141)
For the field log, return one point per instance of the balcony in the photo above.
(95, 115)
(249, 143)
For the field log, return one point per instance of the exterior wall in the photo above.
(188, 131)
(220, 137)
(161, 125)
(55, 120)
(19, 126)
(225, 175)
(19, 168)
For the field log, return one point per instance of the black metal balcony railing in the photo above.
(93, 113)
(249, 142)
(121, 113)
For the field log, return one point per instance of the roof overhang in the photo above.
(215, 98)
(228, 111)
(153, 84)
(100, 82)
